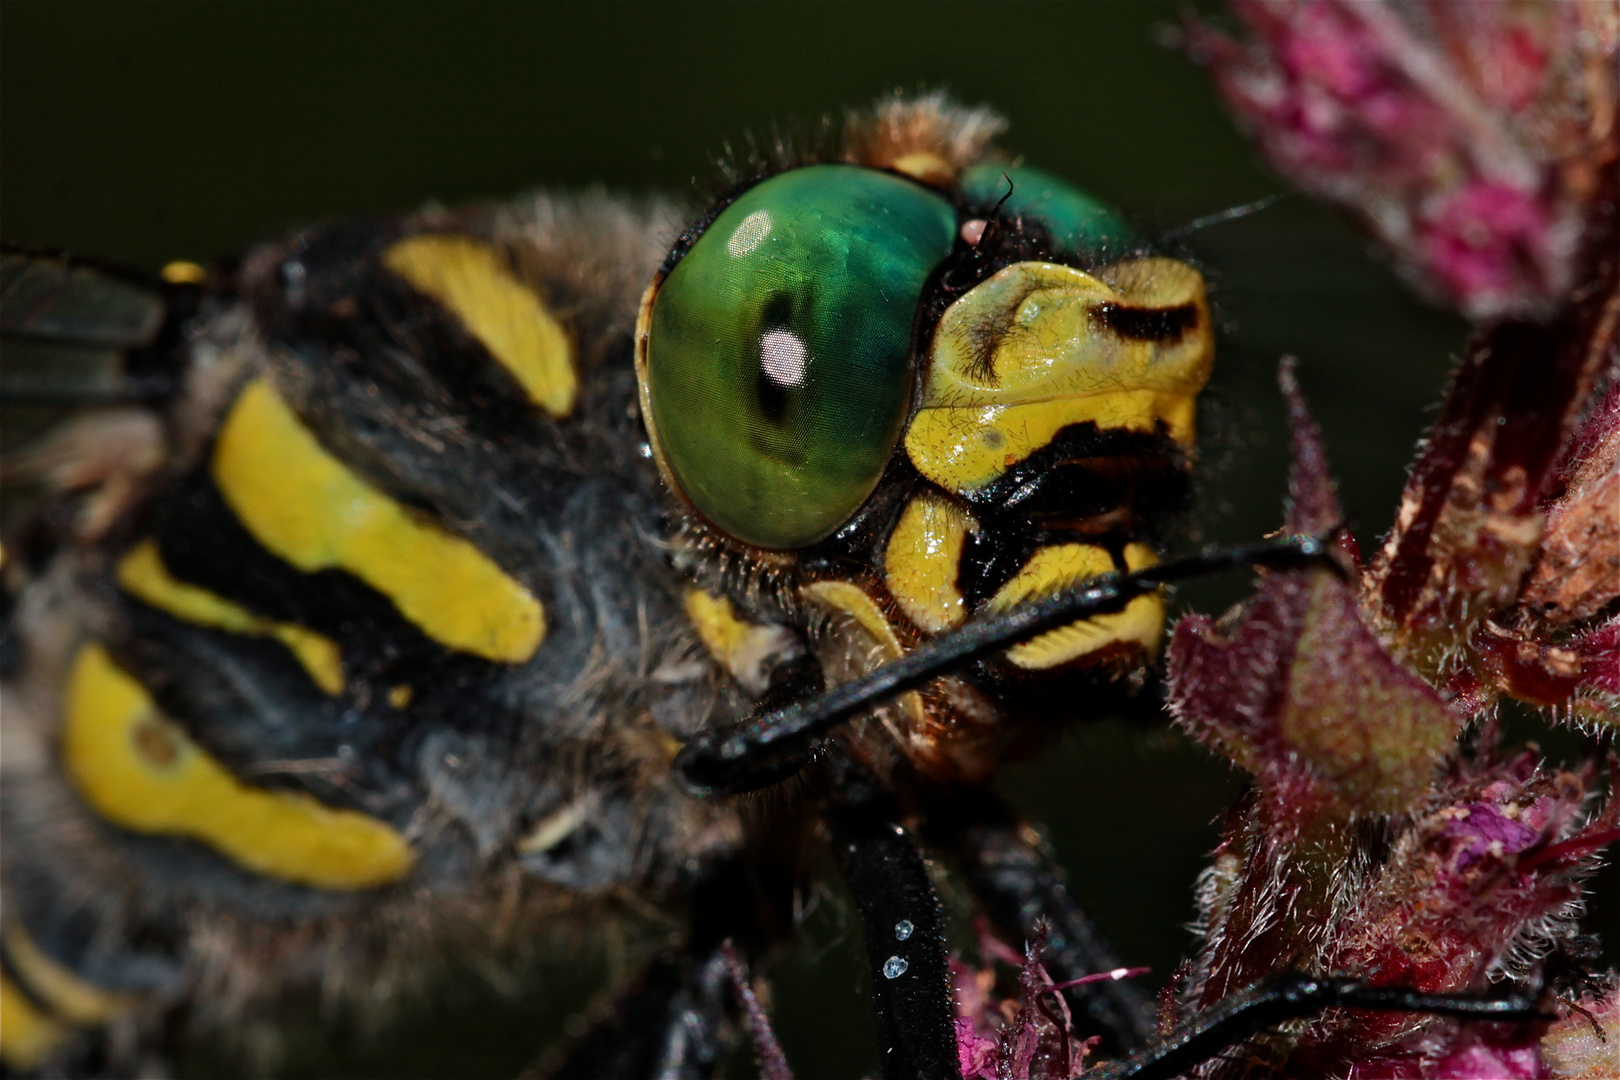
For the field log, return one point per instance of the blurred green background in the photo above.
(146, 132)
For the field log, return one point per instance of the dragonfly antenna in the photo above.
(1223, 216)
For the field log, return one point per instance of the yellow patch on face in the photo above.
(851, 599)
(399, 696)
(141, 573)
(503, 313)
(920, 563)
(1053, 568)
(27, 1034)
(141, 771)
(925, 167)
(307, 507)
(1032, 350)
(69, 997)
(743, 648)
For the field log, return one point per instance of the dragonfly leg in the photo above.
(905, 936)
(677, 1017)
(780, 736)
(757, 765)
(1018, 883)
(667, 1023)
(1292, 996)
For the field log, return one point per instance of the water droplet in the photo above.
(903, 929)
(894, 967)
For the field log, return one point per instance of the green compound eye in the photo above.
(1075, 219)
(779, 354)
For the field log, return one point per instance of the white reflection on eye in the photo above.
(782, 356)
(750, 234)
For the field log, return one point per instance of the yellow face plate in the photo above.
(1031, 351)
(1059, 566)
(921, 560)
(141, 573)
(307, 507)
(502, 312)
(141, 771)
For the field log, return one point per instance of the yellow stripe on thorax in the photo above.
(717, 624)
(139, 770)
(141, 573)
(497, 309)
(183, 272)
(743, 648)
(27, 1034)
(34, 1023)
(311, 510)
(63, 991)
(1059, 566)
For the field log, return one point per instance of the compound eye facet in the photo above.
(779, 367)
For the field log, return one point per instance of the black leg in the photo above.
(905, 939)
(1291, 996)
(673, 1021)
(1017, 884)
(706, 775)
(667, 1024)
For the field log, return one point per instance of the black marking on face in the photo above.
(1161, 324)
(990, 559)
(1088, 481)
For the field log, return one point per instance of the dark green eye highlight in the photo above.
(1075, 219)
(779, 354)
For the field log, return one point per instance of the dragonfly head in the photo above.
(921, 401)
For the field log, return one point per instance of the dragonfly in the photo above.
(425, 581)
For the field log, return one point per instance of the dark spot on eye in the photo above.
(777, 314)
(1147, 323)
(772, 397)
(778, 310)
